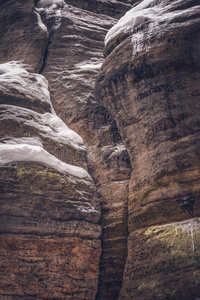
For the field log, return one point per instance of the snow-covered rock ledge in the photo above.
(17, 82)
(29, 152)
(150, 20)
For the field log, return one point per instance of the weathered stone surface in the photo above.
(72, 62)
(153, 96)
(21, 36)
(111, 8)
(50, 247)
(48, 267)
(114, 237)
(147, 102)
(163, 262)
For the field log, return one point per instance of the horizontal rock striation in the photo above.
(49, 206)
(49, 209)
(149, 82)
(22, 38)
(72, 61)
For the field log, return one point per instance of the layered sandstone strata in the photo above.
(147, 102)
(73, 58)
(49, 206)
(149, 82)
(42, 204)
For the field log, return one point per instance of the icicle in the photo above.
(190, 226)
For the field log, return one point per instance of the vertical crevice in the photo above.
(113, 260)
(45, 54)
(113, 192)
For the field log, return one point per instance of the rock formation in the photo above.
(99, 189)
(149, 82)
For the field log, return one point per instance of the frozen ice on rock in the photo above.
(190, 226)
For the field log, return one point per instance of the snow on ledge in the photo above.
(52, 9)
(28, 152)
(157, 17)
(49, 125)
(44, 3)
(16, 80)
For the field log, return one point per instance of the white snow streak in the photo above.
(15, 79)
(40, 23)
(28, 152)
(149, 19)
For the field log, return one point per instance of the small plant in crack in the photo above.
(186, 204)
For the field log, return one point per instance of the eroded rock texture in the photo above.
(150, 84)
(57, 207)
(49, 208)
(63, 233)
(71, 64)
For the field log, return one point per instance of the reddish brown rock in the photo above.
(21, 36)
(50, 246)
(153, 96)
(72, 62)
(48, 267)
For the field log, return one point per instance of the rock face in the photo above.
(71, 64)
(49, 208)
(101, 209)
(153, 95)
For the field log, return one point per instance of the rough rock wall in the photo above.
(73, 59)
(149, 82)
(50, 246)
(49, 208)
(147, 102)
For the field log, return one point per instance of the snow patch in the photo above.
(28, 152)
(48, 125)
(34, 141)
(87, 208)
(40, 23)
(89, 66)
(111, 150)
(51, 9)
(149, 19)
(61, 129)
(15, 79)
(44, 3)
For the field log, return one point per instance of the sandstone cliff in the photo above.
(99, 190)
(149, 82)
